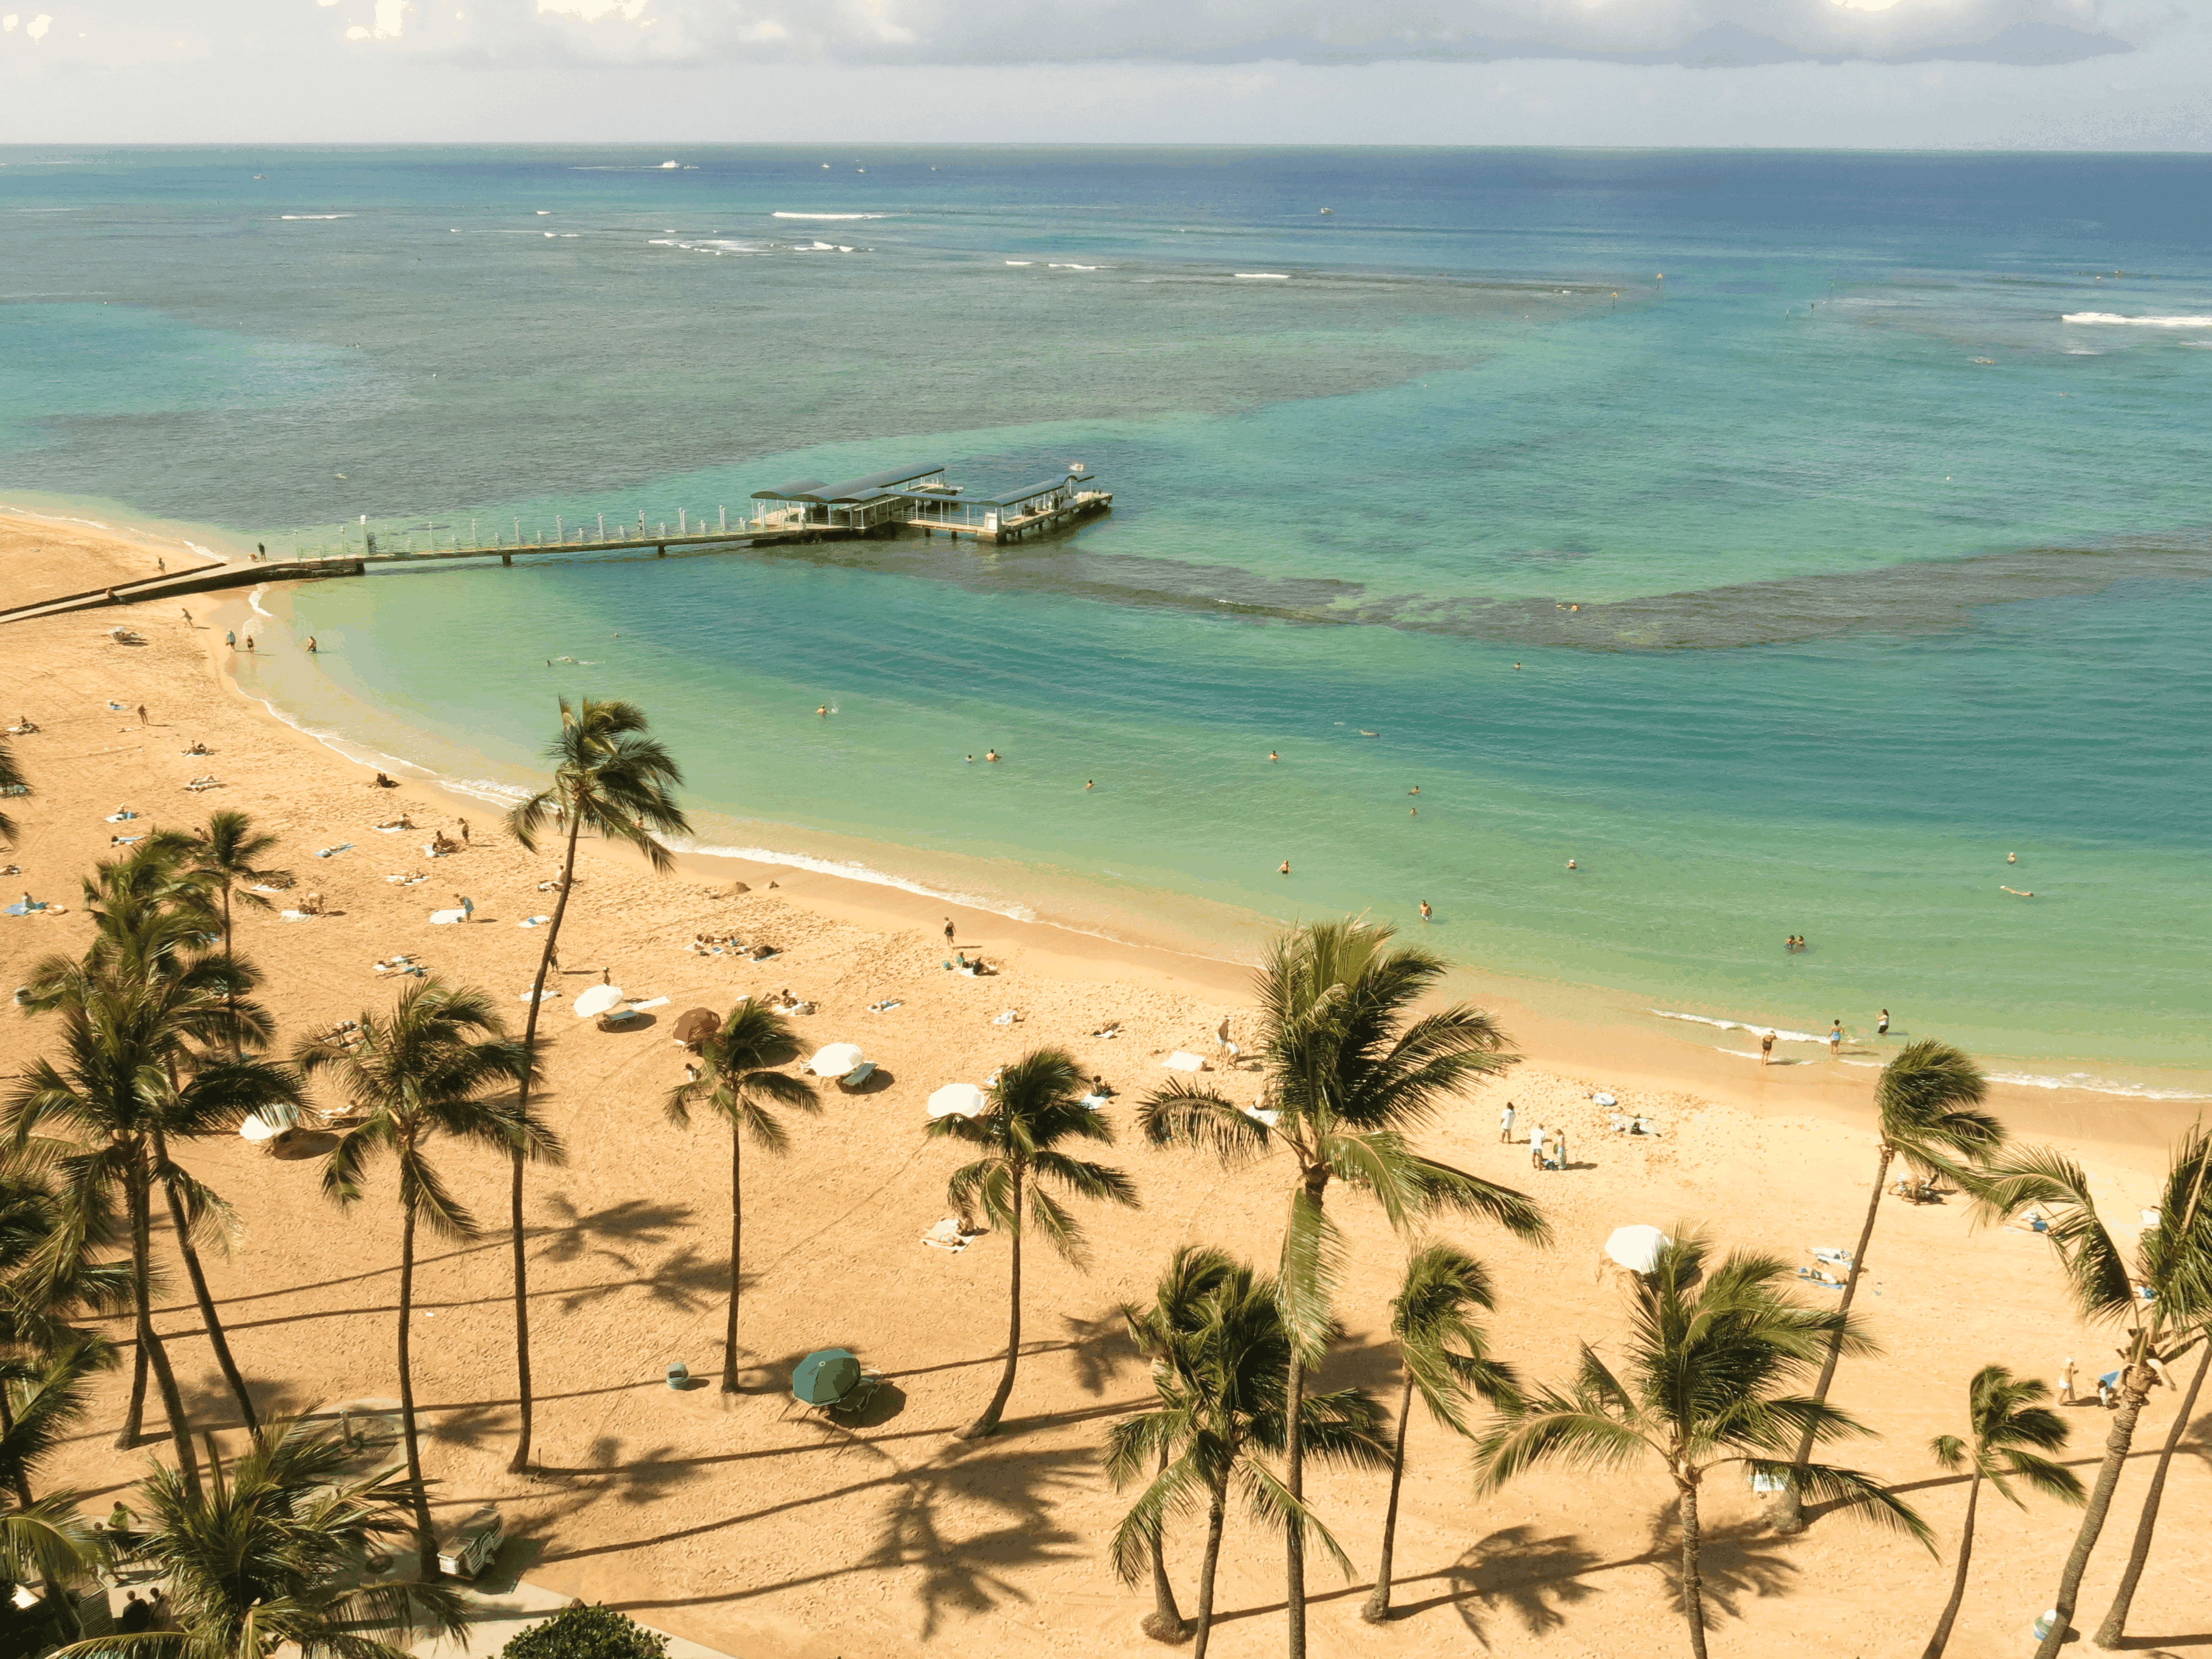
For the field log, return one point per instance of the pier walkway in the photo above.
(910, 499)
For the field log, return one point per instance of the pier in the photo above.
(913, 499)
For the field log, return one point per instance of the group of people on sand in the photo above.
(1547, 1147)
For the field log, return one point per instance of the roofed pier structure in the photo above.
(918, 498)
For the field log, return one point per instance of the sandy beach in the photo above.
(746, 1525)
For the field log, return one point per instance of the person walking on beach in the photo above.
(464, 822)
(948, 932)
(311, 645)
(1766, 1048)
(1505, 1124)
(1536, 1147)
(1835, 1038)
(249, 643)
(2066, 1382)
(142, 715)
(230, 638)
(1560, 1143)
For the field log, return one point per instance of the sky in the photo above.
(2132, 74)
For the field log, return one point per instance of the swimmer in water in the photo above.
(1516, 664)
(1415, 790)
(1412, 811)
(1271, 755)
(2012, 858)
(1425, 911)
(990, 754)
(971, 760)
(1286, 868)
(2015, 891)
(1570, 864)
(1092, 784)
(824, 711)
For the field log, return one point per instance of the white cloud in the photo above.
(391, 18)
(592, 11)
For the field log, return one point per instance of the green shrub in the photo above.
(583, 1632)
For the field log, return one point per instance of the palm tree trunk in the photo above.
(988, 1422)
(1165, 1623)
(737, 1242)
(2117, 1443)
(1377, 1610)
(1694, 1583)
(134, 1419)
(1942, 1636)
(180, 1432)
(1294, 1479)
(1789, 1512)
(520, 1460)
(1217, 1507)
(215, 1337)
(20, 1477)
(2113, 1632)
(426, 1540)
(230, 992)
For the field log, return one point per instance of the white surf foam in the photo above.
(317, 215)
(1021, 261)
(2083, 1080)
(2137, 322)
(2093, 1084)
(1780, 1036)
(1263, 277)
(829, 215)
(255, 600)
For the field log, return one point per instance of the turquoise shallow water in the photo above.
(1870, 594)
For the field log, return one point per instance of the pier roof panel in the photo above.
(878, 483)
(784, 492)
(1017, 497)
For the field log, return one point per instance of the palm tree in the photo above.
(2007, 1427)
(1445, 1354)
(739, 1086)
(421, 1071)
(270, 1559)
(1165, 1334)
(47, 1277)
(1351, 1074)
(1036, 1104)
(1928, 1112)
(13, 780)
(1226, 1399)
(45, 1538)
(2113, 1632)
(2173, 1263)
(153, 915)
(225, 857)
(1710, 1358)
(110, 1101)
(611, 778)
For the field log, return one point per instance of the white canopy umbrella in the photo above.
(957, 1100)
(597, 1000)
(835, 1059)
(258, 1129)
(1636, 1248)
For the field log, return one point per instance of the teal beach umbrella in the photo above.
(825, 1377)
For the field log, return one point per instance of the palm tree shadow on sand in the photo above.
(1517, 1582)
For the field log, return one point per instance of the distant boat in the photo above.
(669, 167)
(1328, 213)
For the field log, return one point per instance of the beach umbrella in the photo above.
(258, 1130)
(835, 1059)
(597, 1000)
(697, 1024)
(957, 1100)
(1637, 1248)
(825, 1377)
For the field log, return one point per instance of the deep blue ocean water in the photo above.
(1884, 568)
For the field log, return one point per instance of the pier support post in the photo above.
(507, 558)
(659, 552)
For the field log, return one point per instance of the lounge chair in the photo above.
(858, 1075)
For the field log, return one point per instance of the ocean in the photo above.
(1785, 539)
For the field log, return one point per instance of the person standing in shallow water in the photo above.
(1882, 1025)
(1766, 1048)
